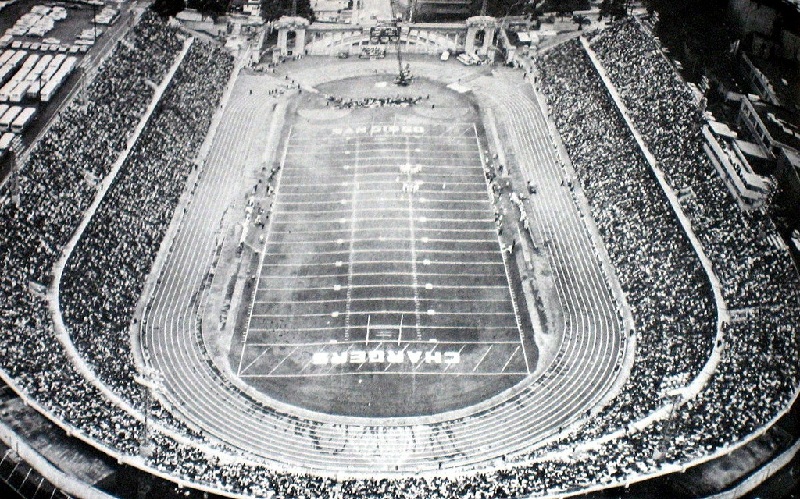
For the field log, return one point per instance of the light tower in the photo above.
(150, 379)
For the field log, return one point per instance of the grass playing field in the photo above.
(382, 276)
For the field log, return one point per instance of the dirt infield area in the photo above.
(383, 286)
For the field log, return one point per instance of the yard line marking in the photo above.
(384, 250)
(386, 312)
(352, 242)
(322, 276)
(285, 213)
(411, 217)
(319, 192)
(339, 241)
(509, 359)
(336, 328)
(481, 359)
(366, 229)
(384, 285)
(368, 262)
(385, 372)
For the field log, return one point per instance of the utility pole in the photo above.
(94, 22)
(84, 82)
(16, 145)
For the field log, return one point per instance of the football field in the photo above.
(361, 314)
(382, 257)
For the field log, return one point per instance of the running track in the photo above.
(585, 368)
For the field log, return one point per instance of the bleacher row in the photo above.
(669, 295)
(119, 246)
(668, 291)
(57, 184)
(754, 271)
(758, 375)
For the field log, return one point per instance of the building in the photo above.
(730, 155)
(247, 7)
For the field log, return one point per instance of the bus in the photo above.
(8, 118)
(23, 119)
(5, 142)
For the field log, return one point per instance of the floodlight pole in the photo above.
(666, 430)
(399, 56)
(150, 380)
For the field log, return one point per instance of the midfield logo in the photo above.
(385, 357)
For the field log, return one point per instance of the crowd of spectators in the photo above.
(349, 103)
(759, 368)
(665, 285)
(105, 274)
(55, 186)
(753, 271)
(666, 288)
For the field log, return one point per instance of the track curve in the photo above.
(582, 372)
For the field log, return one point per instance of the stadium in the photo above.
(357, 268)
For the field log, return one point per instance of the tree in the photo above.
(615, 9)
(212, 8)
(501, 8)
(581, 21)
(696, 32)
(168, 8)
(565, 6)
(274, 9)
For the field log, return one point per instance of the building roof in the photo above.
(721, 129)
(783, 126)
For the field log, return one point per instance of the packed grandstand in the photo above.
(714, 300)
